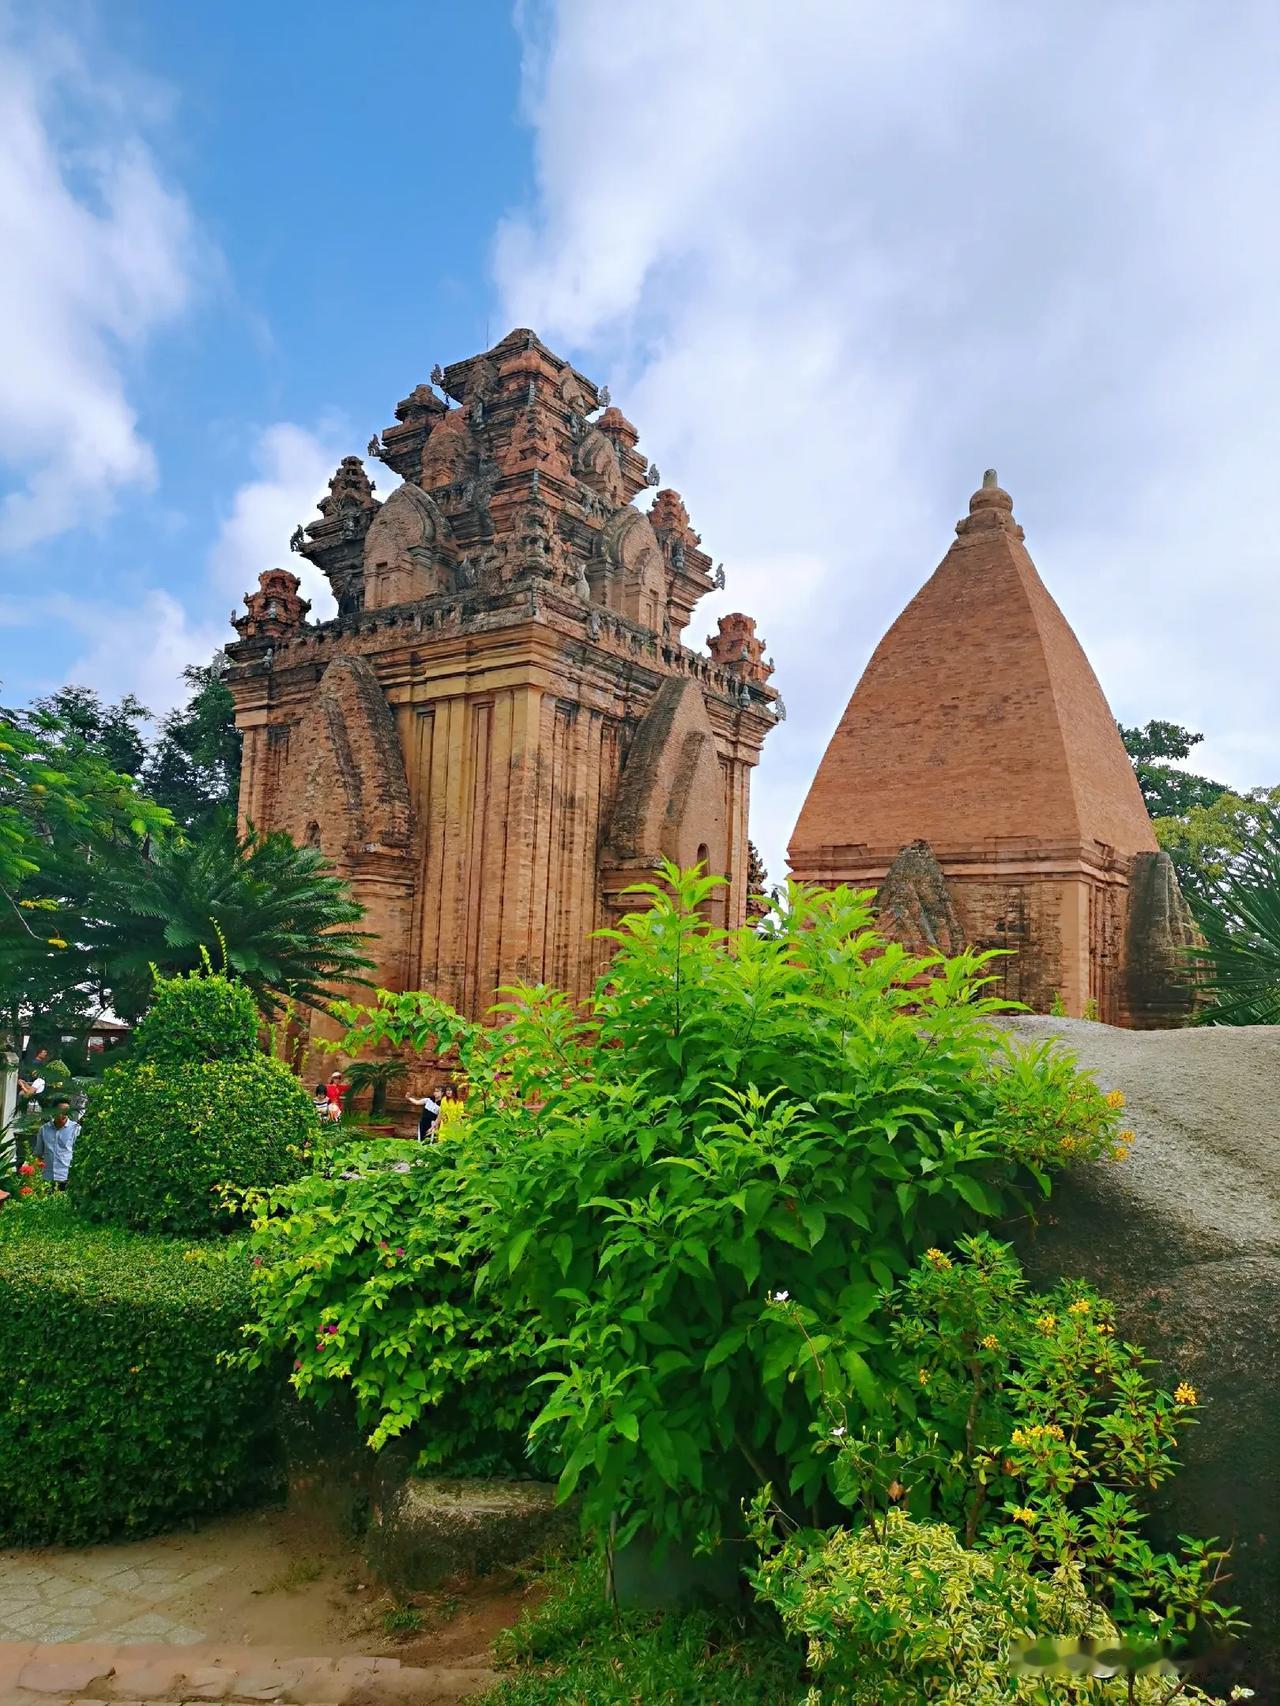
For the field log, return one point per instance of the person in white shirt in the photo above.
(430, 1106)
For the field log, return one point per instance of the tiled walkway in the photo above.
(73, 1595)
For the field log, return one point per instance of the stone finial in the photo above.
(736, 648)
(275, 610)
(350, 488)
(990, 507)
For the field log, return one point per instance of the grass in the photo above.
(573, 1649)
(402, 1619)
(299, 1574)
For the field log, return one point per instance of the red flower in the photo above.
(319, 1344)
(297, 1364)
(26, 1168)
(257, 1261)
(25, 1191)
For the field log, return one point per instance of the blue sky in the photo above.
(832, 259)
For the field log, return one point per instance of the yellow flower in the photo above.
(1104, 1327)
(1047, 1322)
(1024, 1514)
(1184, 1393)
(56, 942)
(938, 1259)
(990, 1342)
(1114, 1098)
(1081, 1306)
(924, 1377)
(1119, 1153)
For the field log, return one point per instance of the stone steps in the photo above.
(96, 1674)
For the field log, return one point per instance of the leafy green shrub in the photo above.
(116, 1417)
(197, 1018)
(736, 1115)
(364, 1275)
(195, 1107)
(1030, 1426)
(901, 1613)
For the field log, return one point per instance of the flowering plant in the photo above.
(1031, 1425)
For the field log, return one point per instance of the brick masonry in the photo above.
(503, 725)
(979, 728)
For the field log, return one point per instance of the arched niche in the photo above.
(408, 551)
(630, 575)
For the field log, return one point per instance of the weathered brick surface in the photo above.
(980, 728)
(457, 739)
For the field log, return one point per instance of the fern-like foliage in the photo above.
(1240, 959)
(270, 913)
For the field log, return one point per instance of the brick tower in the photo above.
(978, 780)
(502, 727)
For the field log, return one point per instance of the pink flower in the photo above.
(319, 1344)
(399, 1249)
(297, 1364)
(257, 1261)
(332, 1327)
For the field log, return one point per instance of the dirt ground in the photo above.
(272, 1579)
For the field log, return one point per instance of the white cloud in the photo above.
(140, 641)
(140, 648)
(294, 469)
(97, 255)
(834, 261)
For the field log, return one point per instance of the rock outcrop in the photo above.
(1185, 1236)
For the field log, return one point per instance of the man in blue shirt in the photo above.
(55, 1144)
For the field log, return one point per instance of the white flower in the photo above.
(1239, 1693)
(779, 1296)
(838, 1433)
(401, 1167)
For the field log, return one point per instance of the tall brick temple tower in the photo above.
(977, 779)
(502, 727)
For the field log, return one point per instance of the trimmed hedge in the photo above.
(158, 1141)
(195, 1106)
(117, 1416)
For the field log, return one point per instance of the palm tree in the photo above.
(1240, 960)
(267, 911)
(377, 1076)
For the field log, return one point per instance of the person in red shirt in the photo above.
(335, 1090)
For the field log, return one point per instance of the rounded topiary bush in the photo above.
(195, 1106)
(118, 1414)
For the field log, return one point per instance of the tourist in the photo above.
(321, 1100)
(55, 1143)
(334, 1091)
(430, 1106)
(31, 1089)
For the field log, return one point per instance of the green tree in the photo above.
(194, 764)
(1206, 842)
(268, 912)
(1168, 791)
(1240, 922)
(65, 813)
(114, 733)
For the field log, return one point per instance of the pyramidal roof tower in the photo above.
(979, 728)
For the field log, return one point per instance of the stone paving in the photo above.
(95, 1674)
(66, 1597)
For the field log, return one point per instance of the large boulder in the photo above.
(1185, 1237)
